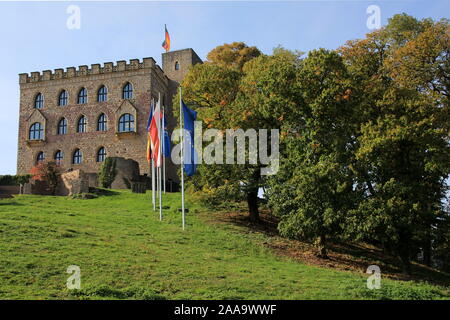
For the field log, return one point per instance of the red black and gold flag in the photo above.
(166, 43)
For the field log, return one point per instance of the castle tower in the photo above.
(176, 64)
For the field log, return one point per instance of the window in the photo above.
(39, 101)
(82, 123)
(127, 91)
(36, 131)
(126, 123)
(102, 94)
(62, 126)
(82, 96)
(77, 157)
(40, 157)
(177, 66)
(101, 154)
(101, 123)
(59, 157)
(63, 97)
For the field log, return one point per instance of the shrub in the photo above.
(48, 172)
(107, 173)
(14, 180)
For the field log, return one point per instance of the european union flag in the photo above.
(166, 141)
(190, 159)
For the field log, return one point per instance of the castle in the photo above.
(77, 118)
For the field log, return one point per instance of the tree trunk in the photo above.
(427, 245)
(252, 195)
(252, 201)
(427, 252)
(322, 246)
(404, 254)
(406, 264)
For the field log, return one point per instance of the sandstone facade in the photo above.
(148, 81)
(73, 182)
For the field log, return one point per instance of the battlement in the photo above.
(72, 72)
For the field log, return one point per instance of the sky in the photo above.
(35, 36)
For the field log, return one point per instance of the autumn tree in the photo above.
(402, 154)
(228, 97)
(232, 55)
(47, 172)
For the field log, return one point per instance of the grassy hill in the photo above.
(125, 252)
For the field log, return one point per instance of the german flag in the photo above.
(166, 43)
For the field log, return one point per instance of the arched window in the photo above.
(82, 123)
(127, 91)
(101, 123)
(63, 97)
(62, 126)
(40, 157)
(39, 101)
(82, 96)
(126, 123)
(101, 154)
(36, 131)
(177, 65)
(102, 94)
(59, 157)
(77, 157)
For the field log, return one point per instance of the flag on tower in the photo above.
(166, 43)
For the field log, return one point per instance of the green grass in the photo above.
(125, 252)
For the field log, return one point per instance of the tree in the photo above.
(423, 62)
(238, 97)
(402, 155)
(232, 55)
(107, 173)
(23, 179)
(314, 190)
(47, 172)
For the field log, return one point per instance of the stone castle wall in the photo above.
(148, 81)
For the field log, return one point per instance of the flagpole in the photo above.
(182, 163)
(163, 148)
(159, 160)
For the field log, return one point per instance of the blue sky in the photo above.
(34, 35)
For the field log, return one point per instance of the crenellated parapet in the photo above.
(95, 69)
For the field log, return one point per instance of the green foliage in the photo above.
(8, 180)
(107, 173)
(14, 180)
(314, 189)
(364, 135)
(233, 55)
(213, 89)
(402, 156)
(405, 292)
(105, 291)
